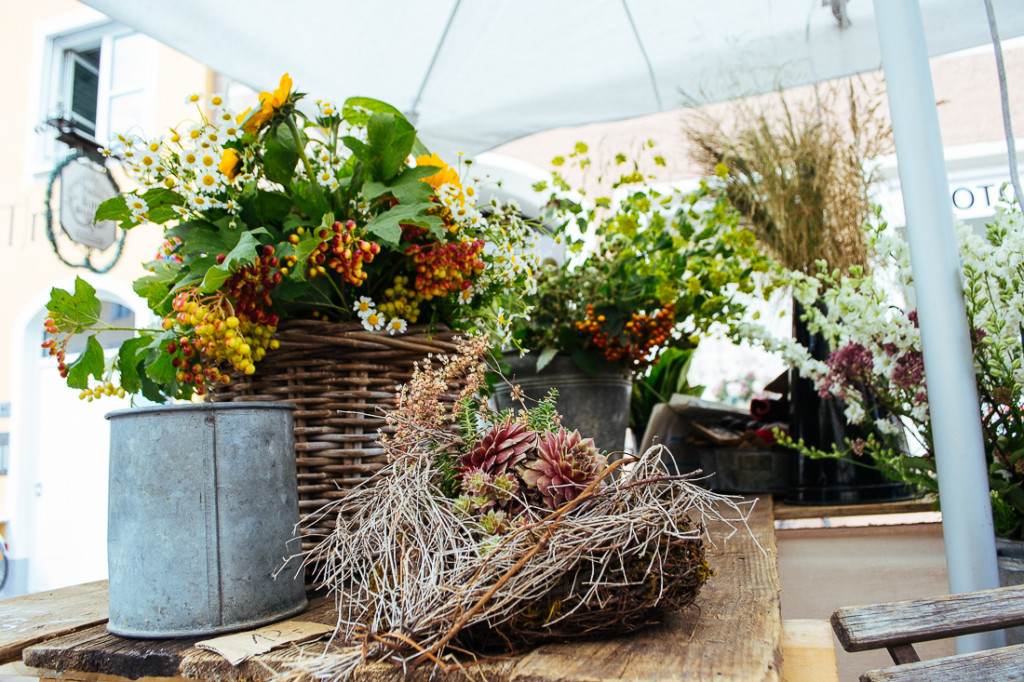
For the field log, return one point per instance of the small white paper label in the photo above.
(239, 646)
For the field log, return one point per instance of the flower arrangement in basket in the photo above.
(274, 216)
(506, 531)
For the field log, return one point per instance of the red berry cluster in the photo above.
(641, 335)
(190, 370)
(445, 267)
(55, 348)
(338, 249)
(213, 333)
(250, 288)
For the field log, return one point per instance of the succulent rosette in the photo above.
(565, 464)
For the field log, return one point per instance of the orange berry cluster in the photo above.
(338, 249)
(445, 267)
(56, 348)
(642, 334)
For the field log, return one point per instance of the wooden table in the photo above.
(734, 632)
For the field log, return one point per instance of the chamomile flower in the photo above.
(138, 206)
(209, 181)
(397, 326)
(365, 307)
(325, 178)
(373, 322)
(194, 98)
(465, 296)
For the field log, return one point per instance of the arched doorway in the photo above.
(57, 482)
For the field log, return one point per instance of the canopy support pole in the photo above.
(949, 367)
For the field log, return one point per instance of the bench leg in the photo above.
(903, 653)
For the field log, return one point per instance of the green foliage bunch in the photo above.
(646, 269)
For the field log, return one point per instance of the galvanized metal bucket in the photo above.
(203, 508)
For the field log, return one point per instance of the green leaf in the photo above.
(244, 253)
(73, 313)
(387, 225)
(545, 357)
(281, 156)
(129, 360)
(357, 110)
(155, 287)
(309, 199)
(90, 362)
(115, 208)
(160, 370)
(409, 188)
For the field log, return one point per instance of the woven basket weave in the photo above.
(342, 378)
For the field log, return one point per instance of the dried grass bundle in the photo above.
(415, 577)
(799, 172)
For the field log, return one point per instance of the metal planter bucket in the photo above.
(202, 504)
(597, 405)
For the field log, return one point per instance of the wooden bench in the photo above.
(897, 626)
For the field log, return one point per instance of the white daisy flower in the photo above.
(397, 326)
(373, 322)
(137, 205)
(365, 307)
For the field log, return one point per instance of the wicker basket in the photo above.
(342, 378)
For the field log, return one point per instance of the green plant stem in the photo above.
(301, 148)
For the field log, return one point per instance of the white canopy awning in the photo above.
(478, 73)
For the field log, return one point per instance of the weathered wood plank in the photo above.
(36, 617)
(875, 626)
(1005, 663)
(734, 633)
(808, 651)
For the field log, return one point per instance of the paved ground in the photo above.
(823, 569)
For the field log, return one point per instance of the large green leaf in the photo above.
(89, 363)
(243, 254)
(129, 359)
(309, 199)
(74, 312)
(387, 225)
(155, 287)
(280, 156)
(116, 209)
(159, 369)
(409, 188)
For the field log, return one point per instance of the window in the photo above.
(95, 74)
(82, 82)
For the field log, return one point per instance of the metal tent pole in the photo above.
(949, 368)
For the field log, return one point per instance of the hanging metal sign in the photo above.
(82, 189)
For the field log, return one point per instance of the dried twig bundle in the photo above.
(418, 571)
